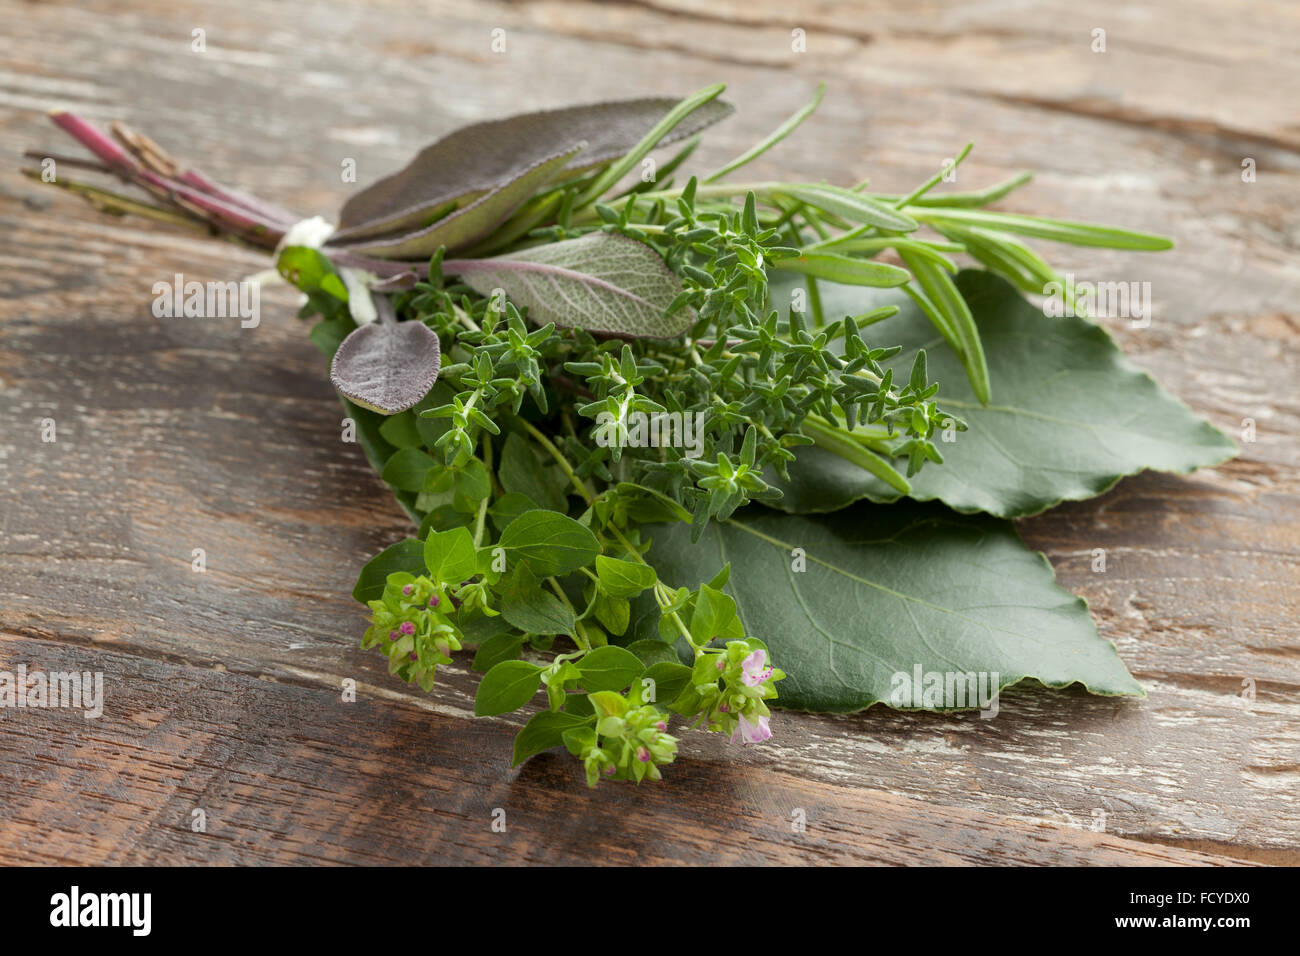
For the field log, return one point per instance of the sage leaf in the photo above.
(653, 137)
(887, 589)
(473, 160)
(464, 226)
(1071, 415)
(328, 335)
(387, 366)
(599, 282)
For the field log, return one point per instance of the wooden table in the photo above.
(223, 687)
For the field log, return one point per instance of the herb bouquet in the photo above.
(636, 425)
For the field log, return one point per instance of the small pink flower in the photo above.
(392, 635)
(407, 628)
(433, 601)
(661, 726)
(754, 668)
(408, 590)
(414, 656)
(643, 755)
(722, 665)
(747, 733)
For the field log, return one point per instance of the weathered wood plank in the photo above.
(175, 435)
(286, 773)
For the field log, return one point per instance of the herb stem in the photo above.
(480, 523)
(833, 440)
(464, 319)
(578, 637)
(663, 597)
(560, 460)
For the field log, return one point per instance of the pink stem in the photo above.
(269, 231)
(198, 180)
(395, 274)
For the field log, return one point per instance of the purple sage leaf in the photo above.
(468, 224)
(471, 161)
(387, 366)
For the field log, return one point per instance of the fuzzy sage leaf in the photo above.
(600, 282)
(474, 159)
(466, 224)
(387, 366)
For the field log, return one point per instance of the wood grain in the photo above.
(223, 687)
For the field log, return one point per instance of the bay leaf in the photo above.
(888, 589)
(1071, 415)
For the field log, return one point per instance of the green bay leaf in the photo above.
(887, 589)
(1070, 416)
